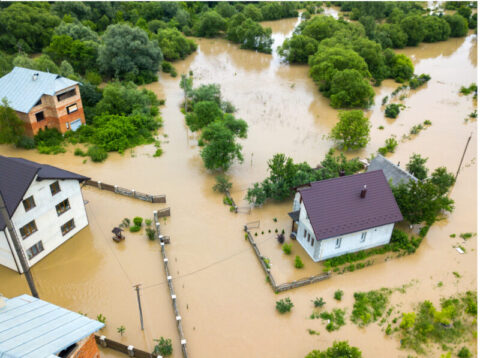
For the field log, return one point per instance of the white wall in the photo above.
(351, 242)
(45, 215)
(6, 257)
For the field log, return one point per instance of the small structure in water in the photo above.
(44, 206)
(346, 214)
(30, 327)
(118, 234)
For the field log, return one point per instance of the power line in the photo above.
(207, 266)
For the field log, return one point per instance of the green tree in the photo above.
(204, 113)
(81, 54)
(349, 89)
(369, 24)
(26, 26)
(414, 28)
(66, 69)
(416, 166)
(225, 9)
(321, 27)
(174, 44)
(163, 347)
(11, 127)
(252, 12)
(401, 67)
(210, 92)
(76, 31)
(442, 179)
(126, 53)
(352, 130)
(458, 25)
(298, 48)
(338, 350)
(391, 36)
(250, 34)
(372, 53)
(222, 184)
(436, 29)
(209, 24)
(219, 147)
(5, 64)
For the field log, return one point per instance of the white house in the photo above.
(45, 206)
(346, 214)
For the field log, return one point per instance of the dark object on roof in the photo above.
(392, 172)
(335, 207)
(294, 215)
(16, 175)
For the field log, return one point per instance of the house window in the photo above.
(62, 207)
(35, 250)
(72, 108)
(67, 227)
(312, 241)
(364, 236)
(40, 116)
(66, 95)
(338, 243)
(28, 229)
(55, 188)
(29, 203)
(304, 233)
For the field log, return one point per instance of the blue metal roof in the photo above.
(32, 328)
(22, 91)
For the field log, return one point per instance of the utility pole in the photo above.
(463, 156)
(18, 247)
(137, 288)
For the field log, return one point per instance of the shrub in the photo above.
(284, 305)
(97, 154)
(318, 302)
(369, 306)
(392, 110)
(137, 220)
(25, 142)
(464, 353)
(338, 295)
(287, 248)
(336, 319)
(338, 350)
(150, 233)
(135, 228)
(280, 237)
(148, 222)
(125, 223)
(163, 347)
(298, 262)
(222, 184)
(390, 145)
(79, 152)
(101, 318)
(158, 152)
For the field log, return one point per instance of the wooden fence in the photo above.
(284, 286)
(131, 351)
(178, 318)
(127, 192)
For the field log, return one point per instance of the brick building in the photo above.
(43, 99)
(32, 328)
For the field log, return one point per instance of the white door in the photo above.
(75, 124)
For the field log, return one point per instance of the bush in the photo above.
(338, 295)
(137, 220)
(335, 319)
(284, 305)
(464, 353)
(369, 306)
(79, 152)
(150, 233)
(158, 152)
(287, 248)
(135, 228)
(390, 145)
(97, 154)
(318, 302)
(338, 350)
(392, 110)
(25, 142)
(163, 347)
(298, 262)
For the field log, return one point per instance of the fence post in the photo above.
(131, 353)
(133, 192)
(103, 343)
(99, 184)
(115, 187)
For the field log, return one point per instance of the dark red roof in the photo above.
(335, 208)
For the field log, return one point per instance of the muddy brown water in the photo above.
(227, 308)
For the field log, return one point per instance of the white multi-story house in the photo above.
(346, 214)
(45, 206)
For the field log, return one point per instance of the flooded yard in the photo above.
(227, 308)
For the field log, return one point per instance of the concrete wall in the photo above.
(46, 219)
(55, 113)
(325, 249)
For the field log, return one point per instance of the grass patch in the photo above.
(369, 306)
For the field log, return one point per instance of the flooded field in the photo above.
(227, 308)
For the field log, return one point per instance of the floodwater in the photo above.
(227, 308)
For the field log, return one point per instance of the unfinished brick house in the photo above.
(43, 99)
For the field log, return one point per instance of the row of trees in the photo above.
(207, 113)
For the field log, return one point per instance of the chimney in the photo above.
(35, 76)
(363, 193)
(341, 173)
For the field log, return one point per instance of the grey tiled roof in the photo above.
(16, 175)
(22, 91)
(335, 208)
(393, 173)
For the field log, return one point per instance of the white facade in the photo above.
(48, 221)
(320, 250)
